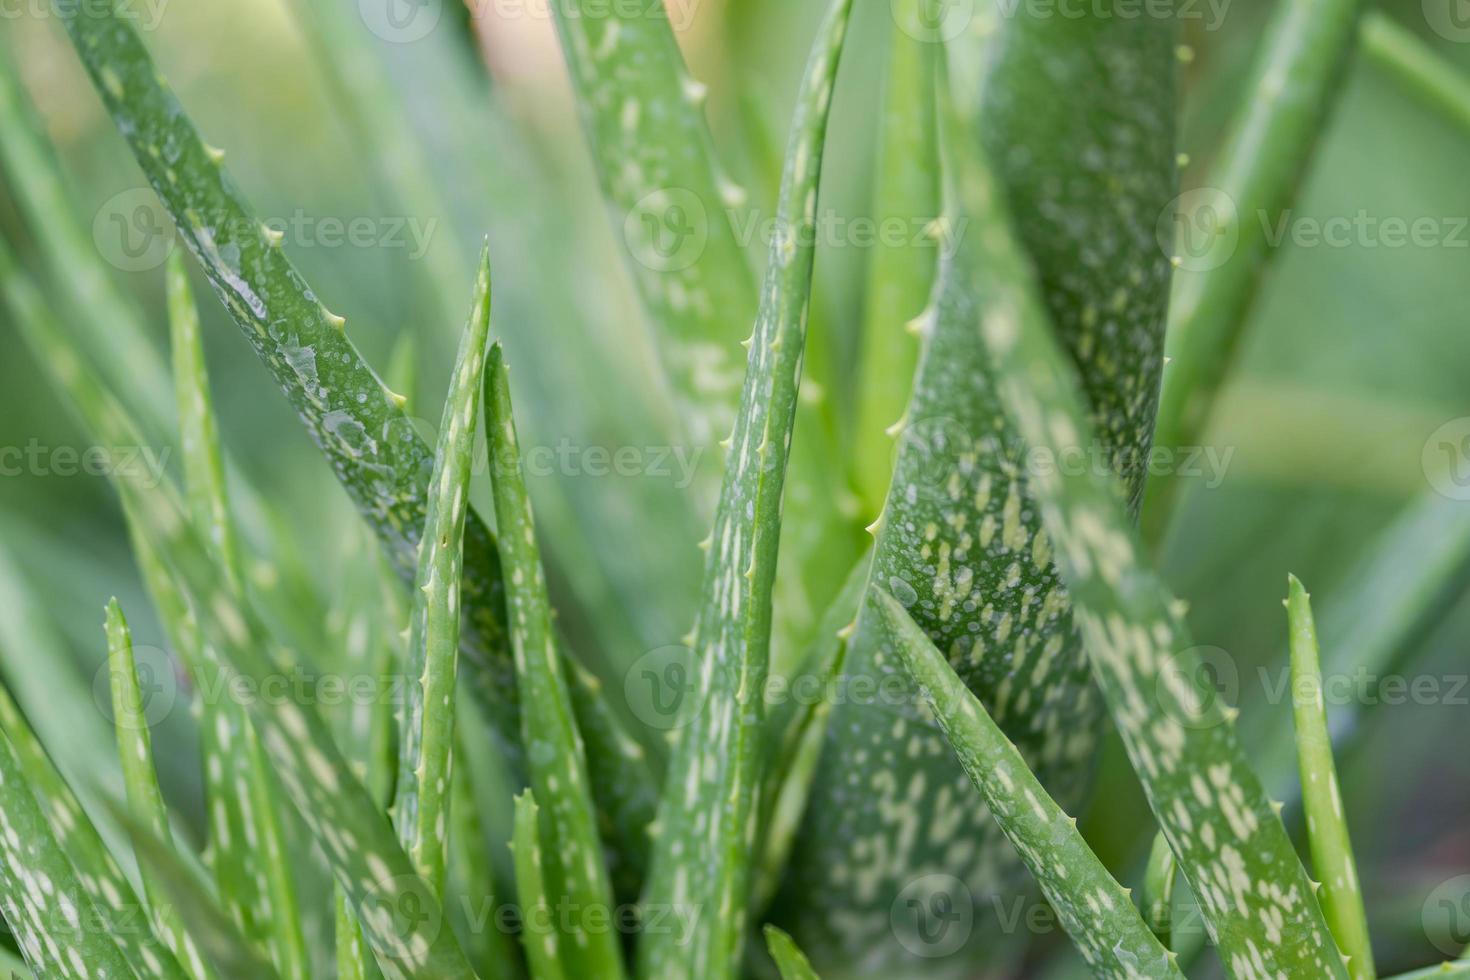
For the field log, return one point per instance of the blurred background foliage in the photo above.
(1354, 355)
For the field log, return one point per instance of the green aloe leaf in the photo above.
(1251, 886)
(426, 753)
(790, 960)
(352, 416)
(42, 900)
(1225, 245)
(900, 275)
(539, 935)
(98, 874)
(260, 883)
(135, 752)
(358, 423)
(1445, 971)
(644, 116)
(13, 967)
(576, 874)
(1096, 911)
(124, 351)
(1419, 68)
(216, 934)
(701, 857)
(403, 920)
(960, 534)
(1158, 889)
(1327, 832)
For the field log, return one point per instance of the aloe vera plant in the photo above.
(451, 732)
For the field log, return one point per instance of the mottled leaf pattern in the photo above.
(574, 872)
(960, 538)
(135, 751)
(538, 931)
(1096, 911)
(1252, 889)
(426, 756)
(41, 898)
(705, 829)
(644, 115)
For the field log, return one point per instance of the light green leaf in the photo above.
(901, 271)
(1096, 911)
(1251, 887)
(1223, 226)
(41, 898)
(1416, 66)
(261, 885)
(668, 198)
(576, 875)
(426, 752)
(135, 752)
(1327, 832)
(538, 926)
(97, 872)
(701, 857)
(335, 806)
(206, 923)
(790, 960)
(1158, 889)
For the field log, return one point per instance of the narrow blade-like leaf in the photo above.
(702, 856)
(1418, 67)
(644, 116)
(1252, 888)
(1327, 832)
(43, 902)
(901, 270)
(1158, 889)
(790, 960)
(1096, 911)
(135, 751)
(1285, 108)
(262, 887)
(426, 755)
(576, 874)
(538, 930)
